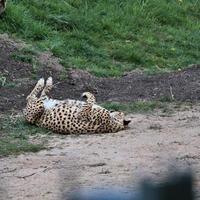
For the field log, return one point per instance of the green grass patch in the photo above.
(108, 38)
(23, 57)
(4, 82)
(138, 106)
(26, 54)
(29, 55)
(15, 136)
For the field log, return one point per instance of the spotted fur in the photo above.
(70, 116)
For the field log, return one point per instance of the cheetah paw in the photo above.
(49, 81)
(40, 83)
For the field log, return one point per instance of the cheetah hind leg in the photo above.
(34, 107)
(47, 88)
(38, 87)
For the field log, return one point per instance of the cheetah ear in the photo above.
(126, 122)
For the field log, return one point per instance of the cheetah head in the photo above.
(88, 97)
(120, 118)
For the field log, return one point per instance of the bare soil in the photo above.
(155, 145)
(135, 85)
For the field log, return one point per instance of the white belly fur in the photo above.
(50, 103)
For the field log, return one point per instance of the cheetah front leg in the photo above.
(47, 88)
(38, 87)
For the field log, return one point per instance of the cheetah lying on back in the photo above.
(70, 116)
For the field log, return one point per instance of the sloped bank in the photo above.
(135, 85)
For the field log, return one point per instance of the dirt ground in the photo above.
(135, 85)
(155, 145)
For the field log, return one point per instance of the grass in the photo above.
(2, 80)
(23, 57)
(108, 38)
(138, 106)
(15, 136)
(5, 83)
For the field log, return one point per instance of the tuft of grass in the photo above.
(26, 55)
(108, 38)
(29, 55)
(5, 83)
(23, 58)
(15, 136)
(138, 106)
(2, 80)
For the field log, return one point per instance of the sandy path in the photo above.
(153, 142)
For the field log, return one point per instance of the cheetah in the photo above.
(70, 116)
(2, 6)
